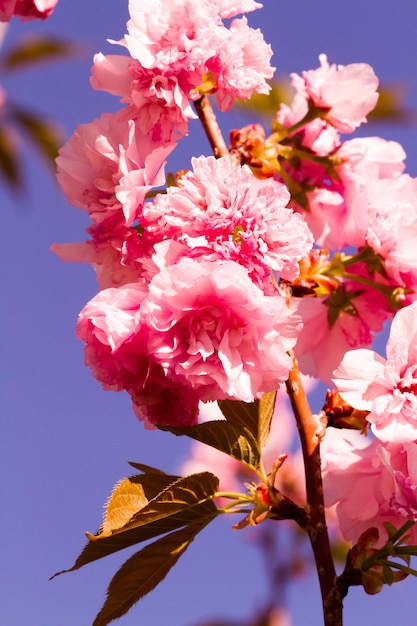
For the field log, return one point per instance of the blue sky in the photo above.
(64, 441)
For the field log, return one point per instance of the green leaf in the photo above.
(183, 502)
(42, 132)
(268, 104)
(244, 413)
(266, 406)
(391, 106)
(255, 416)
(234, 439)
(144, 571)
(35, 50)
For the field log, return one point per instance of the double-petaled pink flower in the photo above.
(387, 388)
(201, 329)
(370, 484)
(227, 213)
(180, 51)
(347, 91)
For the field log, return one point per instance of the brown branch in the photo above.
(311, 431)
(211, 127)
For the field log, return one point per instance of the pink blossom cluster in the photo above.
(178, 52)
(298, 241)
(200, 330)
(354, 195)
(377, 482)
(188, 309)
(26, 9)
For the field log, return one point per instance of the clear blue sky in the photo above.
(65, 442)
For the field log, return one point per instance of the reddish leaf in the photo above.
(144, 571)
(182, 503)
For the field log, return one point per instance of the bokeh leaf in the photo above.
(9, 160)
(234, 439)
(36, 49)
(268, 105)
(391, 106)
(42, 132)
(144, 571)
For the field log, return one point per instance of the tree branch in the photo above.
(211, 127)
(311, 431)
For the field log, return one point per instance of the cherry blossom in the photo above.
(108, 166)
(385, 387)
(348, 92)
(199, 328)
(26, 9)
(369, 483)
(180, 51)
(224, 210)
(209, 324)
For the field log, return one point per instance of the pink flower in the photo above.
(116, 355)
(364, 162)
(227, 212)
(349, 92)
(26, 9)
(369, 483)
(347, 318)
(387, 388)
(108, 166)
(201, 330)
(392, 226)
(118, 255)
(163, 400)
(241, 65)
(117, 352)
(230, 8)
(164, 108)
(210, 325)
(181, 51)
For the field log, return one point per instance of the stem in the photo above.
(311, 433)
(211, 127)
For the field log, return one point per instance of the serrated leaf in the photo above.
(234, 439)
(266, 406)
(255, 416)
(144, 571)
(183, 502)
(42, 132)
(36, 49)
(126, 499)
(150, 485)
(244, 413)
